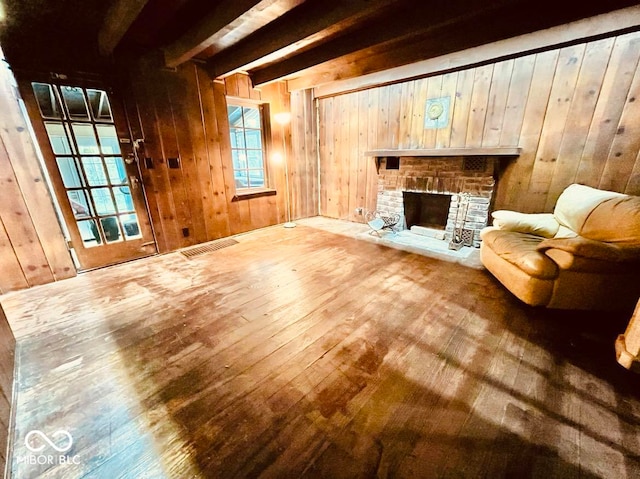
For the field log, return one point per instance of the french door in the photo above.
(93, 168)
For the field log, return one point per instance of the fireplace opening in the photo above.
(426, 209)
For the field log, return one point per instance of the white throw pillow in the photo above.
(539, 224)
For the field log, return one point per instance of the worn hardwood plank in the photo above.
(306, 353)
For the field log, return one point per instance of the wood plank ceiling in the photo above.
(285, 39)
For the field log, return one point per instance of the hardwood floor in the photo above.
(302, 353)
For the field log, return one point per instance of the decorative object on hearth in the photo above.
(379, 220)
(458, 239)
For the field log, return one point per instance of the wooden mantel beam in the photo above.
(120, 16)
(218, 27)
(309, 22)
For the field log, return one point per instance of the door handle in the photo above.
(134, 181)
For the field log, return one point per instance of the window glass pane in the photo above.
(76, 104)
(237, 138)
(47, 99)
(99, 103)
(110, 229)
(254, 158)
(251, 117)
(94, 170)
(242, 180)
(102, 200)
(89, 233)
(108, 139)
(79, 203)
(256, 178)
(117, 172)
(254, 139)
(239, 159)
(69, 171)
(123, 199)
(58, 138)
(85, 138)
(130, 226)
(235, 115)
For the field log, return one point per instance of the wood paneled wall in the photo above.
(572, 110)
(32, 247)
(7, 361)
(183, 114)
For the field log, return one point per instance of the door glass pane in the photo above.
(254, 139)
(94, 170)
(110, 229)
(47, 100)
(58, 138)
(99, 103)
(69, 171)
(130, 226)
(85, 138)
(117, 172)
(108, 139)
(79, 203)
(124, 202)
(76, 104)
(103, 201)
(89, 233)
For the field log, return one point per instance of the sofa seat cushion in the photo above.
(520, 249)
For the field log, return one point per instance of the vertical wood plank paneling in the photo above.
(512, 192)
(497, 103)
(579, 118)
(449, 83)
(566, 76)
(434, 90)
(373, 97)
(363, 161)
(32, 247)
(417, 118)
(517, 100)
(626, 143)
(354, 156)
(461, 108)
(479, 104)
(611, 101)
(219, 224)
(7, 361)
(188, 138)
(406, 111)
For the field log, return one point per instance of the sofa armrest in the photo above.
(564, 248)
(539, 224)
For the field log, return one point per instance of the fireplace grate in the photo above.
(474, 164)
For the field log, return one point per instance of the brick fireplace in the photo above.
(469, 181)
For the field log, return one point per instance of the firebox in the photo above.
(426, 209)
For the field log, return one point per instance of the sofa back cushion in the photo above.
(615, 220)
(577, 202)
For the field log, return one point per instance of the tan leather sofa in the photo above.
(584, 255)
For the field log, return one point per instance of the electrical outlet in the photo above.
(359, 210)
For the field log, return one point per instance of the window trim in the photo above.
(265, 130)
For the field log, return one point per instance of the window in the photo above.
(248, 151)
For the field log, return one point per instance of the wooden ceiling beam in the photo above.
(406, 24)
(120, 16)
(334, 81)
(308, 23)
(480, 27)
(226, 17)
